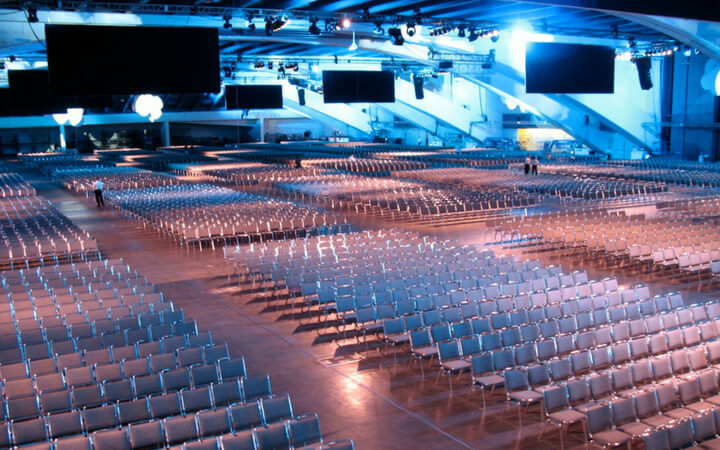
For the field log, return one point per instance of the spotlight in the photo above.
(461, 31)
(330, 25)
(227, 18)
(273, 25)
(346, 22)
(410, 29)
(259, 65)
(32, 14)
(249, 22)
(396, 36)
(228, 72)
(270, 65)
(292, 66)
(441, 30)
(378, 28)
(418, 16)
(495, 36)
(146, 105)
(472, 35)
(251, 27)
(314, 29)
(75, 115)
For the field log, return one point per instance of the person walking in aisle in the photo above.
(98, 188)
(535, 163)
(527, 164)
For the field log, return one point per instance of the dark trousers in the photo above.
(99, 197)
(527, 169)
(534, 169)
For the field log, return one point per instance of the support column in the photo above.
(63, 144)
(165, 133)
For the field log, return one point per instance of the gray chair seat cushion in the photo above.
(567, 416)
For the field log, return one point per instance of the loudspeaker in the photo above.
(301, 96)
(418, 82)
(643, 66)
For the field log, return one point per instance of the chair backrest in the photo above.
(598, 418)
(657, 438)
(555, 398)
(305, 430)
(515, 380)
(646, 403)
(448, 350)
(680, 434)
(273, 436)
(482, 364)
(623, 410)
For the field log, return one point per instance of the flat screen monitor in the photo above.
(29, 94)
(554, 68)
(112, 60)
(352, 86)
(253, 96)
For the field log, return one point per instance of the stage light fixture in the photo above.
(461, 31)
(378, 28)
(410, 29)
(472, 35)
(227, 18)
(145, 105)
(32, 16)
(274, 24)
(314, 29)
(396, 36)
(270, 65)
(330, 25)
(346, 22)
(259, 65)
(494, 37)
(75, 116)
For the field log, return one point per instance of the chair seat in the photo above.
(715, 400)
(371, 327)
(711, 445)
(455, 365)
(678, 413)
(567, 416)
(612, 437)
(489, 380)
(657, 421)
(525, 397)
(699, 406)
(425, 352)
(635, 428)
(398, 338)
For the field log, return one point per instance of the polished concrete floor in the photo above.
(360, 391)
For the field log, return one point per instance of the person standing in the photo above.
(535, 163)
(98, 188)
(527, 164)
